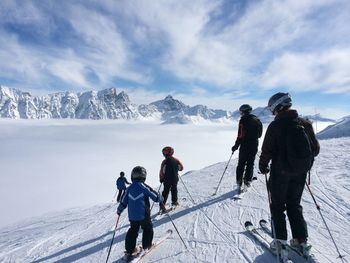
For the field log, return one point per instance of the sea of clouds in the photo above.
(50, 165)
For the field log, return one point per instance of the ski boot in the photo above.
(302, 246)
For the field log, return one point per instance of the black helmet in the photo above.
(168, 151)
(279, 101)
(138, 173)
(245, 108)
(122, 173)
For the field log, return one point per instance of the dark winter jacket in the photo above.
(121, 183)
(272, 148)
(136, 198)
(169, 170)
(249, 131)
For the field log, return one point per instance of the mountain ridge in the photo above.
(111, 104)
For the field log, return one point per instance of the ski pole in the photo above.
(325, 223)
(171, 220)
(217, 188)
(187, 190)
(272, 221)
(114, 195)
(158, 193)
(110, 246)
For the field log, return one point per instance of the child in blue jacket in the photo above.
(121, 185)
(136, 198)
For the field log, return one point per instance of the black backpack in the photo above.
(298, 152)
(253, 127)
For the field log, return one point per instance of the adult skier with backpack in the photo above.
(121, 185)
(249, 132)
(169, 175)
(136, 198)
(291, 145)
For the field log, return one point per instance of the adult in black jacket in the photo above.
(249, 132)
(168, 174)
(285, 185)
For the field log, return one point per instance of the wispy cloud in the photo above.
(220, 46)
(327, 71)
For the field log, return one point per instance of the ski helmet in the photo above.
(122, 173)
(138, 173)
(168, 151)
(245, 108)
(279, 101)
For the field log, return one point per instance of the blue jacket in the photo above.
(121, 183)
(136, 198)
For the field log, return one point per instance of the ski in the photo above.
(136, 253)
(261, 239)
(160, 214)
(265, 227)
(137, 258)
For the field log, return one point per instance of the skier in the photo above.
(136, 198)
(286, 183)
(168, 175)
(121, 185)
(249, 132)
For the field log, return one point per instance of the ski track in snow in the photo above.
(211, 226)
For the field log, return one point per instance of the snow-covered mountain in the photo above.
(104, 104)
(110, 104)
(318, 118)
(339, 129)
(174, 111)
(212, 227)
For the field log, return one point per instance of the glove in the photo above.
(118, 212)
(264, 169)
(234, 148)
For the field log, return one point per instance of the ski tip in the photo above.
(248, 223)
(262, 221)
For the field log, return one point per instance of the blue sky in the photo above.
(213, 52)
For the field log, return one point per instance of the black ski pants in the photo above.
(245, 164)
(170, 186)
(286, 191)
(120, 195)
(131, 236)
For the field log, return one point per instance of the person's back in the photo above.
(136, 198)
(276, 144)
(249, 132)
(171, 169)
(121, 185)
(252, 129)
(286, 184)
(168, 175)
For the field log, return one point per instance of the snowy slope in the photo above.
(212, 226)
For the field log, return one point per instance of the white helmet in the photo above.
(279, 101)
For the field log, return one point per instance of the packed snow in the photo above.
(211, 226)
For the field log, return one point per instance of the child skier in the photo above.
(169, 175)
(136, 198)
(121, 185)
